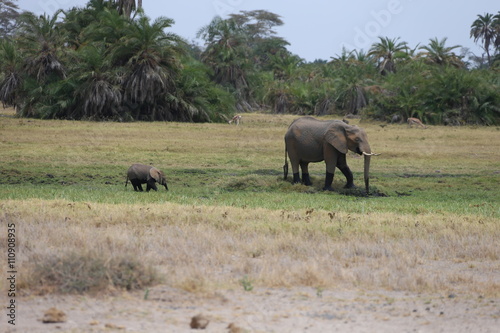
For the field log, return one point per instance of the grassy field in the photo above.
(431, 223)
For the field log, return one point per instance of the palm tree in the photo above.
(151, 59)
(284, 65)
(486, 28)
(352, 58)
(126, 7)
(227, 55)
(81, 25)
(343, 58)
(225, 48)
(261, 39)
(9, 11)
(98, 91)
(40, 41)
(107, 28)
(11, 67)
(197, 98)
(497, 30)
(40, 44)
(438, 53)
(387, 51)
(350, 86)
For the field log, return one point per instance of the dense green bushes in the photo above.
(438, 95)
(354, 83)
(95, 63)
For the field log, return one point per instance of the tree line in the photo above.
(109, 61)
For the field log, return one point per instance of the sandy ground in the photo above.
(263, 310)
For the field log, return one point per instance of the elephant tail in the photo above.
(285, 167)
(126, 181)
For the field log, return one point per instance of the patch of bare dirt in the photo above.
(262, 310)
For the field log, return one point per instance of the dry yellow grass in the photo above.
(205, 248)
(258, 140)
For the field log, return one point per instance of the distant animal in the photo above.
(145, 174)
(309, 140)
(236, 119)
(415, 121)
(396, 119)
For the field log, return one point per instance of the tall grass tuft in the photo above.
(89, 271)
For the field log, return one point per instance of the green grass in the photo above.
(400, 193)
(441, 170)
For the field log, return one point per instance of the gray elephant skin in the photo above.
(309, 140)
(145, 174)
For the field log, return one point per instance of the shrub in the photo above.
(78, 273)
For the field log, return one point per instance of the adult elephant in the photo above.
(310, 140)
(145, 174)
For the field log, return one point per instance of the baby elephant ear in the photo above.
(155, 174)
(335, 135)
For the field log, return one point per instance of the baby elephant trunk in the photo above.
(162, 180)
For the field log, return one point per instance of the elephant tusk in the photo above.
(373, 154)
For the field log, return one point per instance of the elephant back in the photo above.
(138, 171)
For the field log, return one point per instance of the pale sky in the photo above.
(318, 29)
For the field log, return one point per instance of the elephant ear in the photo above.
(155, 174)
(336, 136)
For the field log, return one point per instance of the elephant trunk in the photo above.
(367, 172)
(163, 182)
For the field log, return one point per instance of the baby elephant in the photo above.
(140, 174)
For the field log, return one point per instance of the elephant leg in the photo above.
(295, 169)
(136, 184)
(151, 185)
(306, 180)
(342, 165)
(349, 177)
(328, 182)
(294, 161)
(331, 158)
